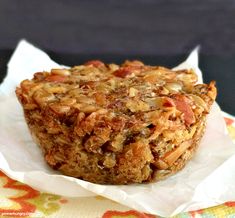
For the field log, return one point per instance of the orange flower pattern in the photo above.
(127, 214)
(20, 200)
(16, 203)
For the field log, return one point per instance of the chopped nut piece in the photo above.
(175, 87)
(86, 108)
(68, 101)
(172, 156)
(151, 77)
(133, 92)
(109, 161)
(59, 109)
(134, 63)
(30, 106)
(199, 102)
(42, 97)
(113, 67)
(100, 98)
(160, 164)
(62, 72)
(156, 102)
(137, 105)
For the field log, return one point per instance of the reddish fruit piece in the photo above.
(182, 104)
(123, 72)
(95, 63)
(127, 70)
(168, 102)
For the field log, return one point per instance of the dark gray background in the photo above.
(156, 31)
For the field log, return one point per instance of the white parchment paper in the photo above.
(207, 180)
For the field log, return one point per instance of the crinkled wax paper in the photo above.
(207, 180)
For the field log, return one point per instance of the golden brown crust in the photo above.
(114, 124)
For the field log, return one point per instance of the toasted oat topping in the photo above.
(130, 89)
